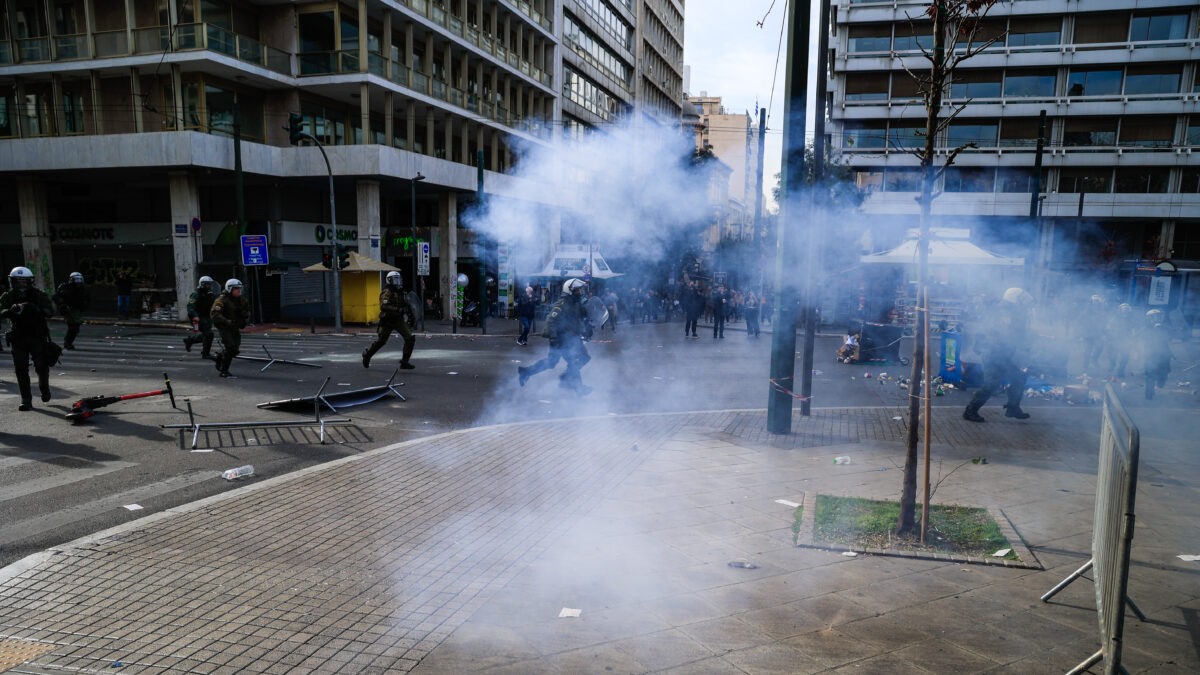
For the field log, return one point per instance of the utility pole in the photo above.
(783, 339)
(296, 133)
(418, 282)
(817, 222)
(1035, 196)
(483, 291)
(758, 198)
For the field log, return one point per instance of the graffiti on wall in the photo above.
(39, 264)
(103, 271)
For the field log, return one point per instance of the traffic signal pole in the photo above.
(295, 129)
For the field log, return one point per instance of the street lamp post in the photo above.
(296, 133)
(417, 283)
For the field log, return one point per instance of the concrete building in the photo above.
(733, 138)
(116, 123)
(1120, 83)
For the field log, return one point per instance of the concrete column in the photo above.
(135, 84)
(1166, 239)
(368, 218)
(35, 231)
(130, 20)
(408, 45)
(362, 39)
(177, 96)
(56, 105)
(410, 129)
(478, 140)
(427, 66)
(429, 129)
(449, 138)
(185, 205)
(495, 150)
(89, 18)
(364, 109)
(464, 80)
(466, 145)
(389, 119)
(387, 46)
(448, 251)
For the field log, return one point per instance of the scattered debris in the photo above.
(850, 554)
(452, 373)
(743, 565)
(133, 507)
(86, 407)
(117, 664)
(569, 613)
(1002, 552)
(240, 472)
(842, 459)
(898, 418)
(203, 450)
(979, 460)
(1188, 558)
(787, 503)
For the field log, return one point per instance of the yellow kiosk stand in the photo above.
(361, 281)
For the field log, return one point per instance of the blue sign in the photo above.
(254, 249)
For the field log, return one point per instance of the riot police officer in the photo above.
(567, 327)
(71, 297)
(1001, 343)
(230, 313)
(395, 314)
(27, 308)
(199, 309)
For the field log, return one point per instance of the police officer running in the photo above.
(27, 308)
(71, 298)
(199, 309)
(230, 313)
(395, 314)
(1001, 342)
(567, 327)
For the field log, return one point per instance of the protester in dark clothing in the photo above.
(693, 305)
(526, 312)
(720, 306)
(751, 312)
(1156, 351)
(27, 308)
(1001, 341)
(124, 294)
(1094, 319)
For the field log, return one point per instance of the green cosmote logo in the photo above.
(321, 234)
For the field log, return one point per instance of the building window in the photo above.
(1090, 131)
(1142, 179)
(1084, 180)
(1158, 27)
(1101, 27)
(1094, 82)
(317, 42)
(1193, 132)
(8, 123)
(1019, 132)
(1153, 79)
(1148, 132)
(858, 135)
(907, 88)
(903, 180)
(866, 86)
(328, 125)
(913, 37)
(976, 84)
(36, 112)
(1013, 179)
(969, 179)
(574, 130)
(72, 102)
(1034, 31)
(869, 180)
(871, 38)
(1191, 181)
(1025, 83)
(906, 134)
(980, 132)
(591, 48)
(588, 95)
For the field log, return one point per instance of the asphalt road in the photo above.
(60, 481)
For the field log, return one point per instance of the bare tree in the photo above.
(956, 36)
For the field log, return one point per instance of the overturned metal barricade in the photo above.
(341, 399)
(318, 421)
(1112, 533)
(271, 360)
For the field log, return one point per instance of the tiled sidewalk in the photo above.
(457, 553)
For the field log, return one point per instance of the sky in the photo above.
(732, 57)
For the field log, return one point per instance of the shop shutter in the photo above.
(298, 287)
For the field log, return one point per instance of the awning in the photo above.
(358, 263)
(576, 261)
(946, 247)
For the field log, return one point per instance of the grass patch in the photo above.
(796, 523)
(869, 523)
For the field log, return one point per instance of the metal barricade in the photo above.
(1112, 533)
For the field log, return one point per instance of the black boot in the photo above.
(971, 414)
(187, 344)
(522, 375)
(408, 350)
(44, 386)
(366, 358)
(1015, 411)
(25, 405)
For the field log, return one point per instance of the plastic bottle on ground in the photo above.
(841, 460)
(240, 472)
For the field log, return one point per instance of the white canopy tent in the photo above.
(575, 261)
(946, 247)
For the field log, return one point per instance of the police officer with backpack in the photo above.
(395, 314)
(567, 327)
(199, 309)
(230, 313)
(72, 298)
(27, 309)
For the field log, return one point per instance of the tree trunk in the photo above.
(908, 495)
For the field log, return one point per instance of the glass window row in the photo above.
(1127, 180)
(1148, 131)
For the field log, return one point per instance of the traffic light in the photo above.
(295, 128)
(327, 261)
(343, 254)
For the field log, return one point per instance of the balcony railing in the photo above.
(329, 63)
(6, 55)
(376, 64)
(71, 46)
(33, 49)
(110, 43)
(1006, 50)
(400, 74)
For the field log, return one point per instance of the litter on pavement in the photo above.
(133, 507)
(850, 554)
(743, 565)
(1188, 558)
(569, 613)
(787, 503)
(1002, 552)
